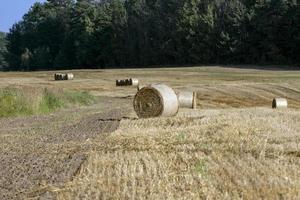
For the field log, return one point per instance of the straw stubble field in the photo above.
(233, 147)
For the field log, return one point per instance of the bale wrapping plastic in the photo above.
(186, 99)
(62, 76)
(279, 103)
(69, 76)
(156, 100)
(134, 82)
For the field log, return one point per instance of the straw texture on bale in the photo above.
(186, 99)
(279, 103)
(57, 76)
(156, 100)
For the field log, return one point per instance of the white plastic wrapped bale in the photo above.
(69, 76)
(156, 100)
(187, 99)
(134, 82)
(279, 103)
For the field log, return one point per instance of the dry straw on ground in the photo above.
(156, 100)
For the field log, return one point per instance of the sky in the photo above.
(12, 11)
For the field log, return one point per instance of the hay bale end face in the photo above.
(278, 103)
(194, 100)
(57, 76)
(156, 100)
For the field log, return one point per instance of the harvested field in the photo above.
(235, 146)
(229, 154)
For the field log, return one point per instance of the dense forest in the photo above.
(62, 34)
(2, 50)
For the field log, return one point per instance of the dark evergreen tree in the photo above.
(3, 51)
(65, 34)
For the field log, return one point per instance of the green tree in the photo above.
(14, 47)
(62, 34)
(3, 50)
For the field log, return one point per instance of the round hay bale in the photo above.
(139, 87)
(69, 76)
(118, 82)
(186, 99)
(279, 103)
(134, 82)
(156, 100)
(63, 77)
(57, 76)
(127, 82)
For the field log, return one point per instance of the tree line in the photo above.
(62, 34)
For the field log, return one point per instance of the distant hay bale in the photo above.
(187, 99)
(61, 76)
(134, 82)
(120, 83)
(57, 76)
(127, 82)
(69, 76)
(279, 103)
(156, 100)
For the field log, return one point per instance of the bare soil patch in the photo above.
(41, 150)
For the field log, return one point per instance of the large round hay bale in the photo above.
(69, 76)
(156, 100)
(134, 82)
(139, 87)
(186, 99)
(279, 103)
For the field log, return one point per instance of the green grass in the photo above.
(22, 102)
(12, 103)
(201, 167)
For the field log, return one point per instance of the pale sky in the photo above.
(12, 11)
